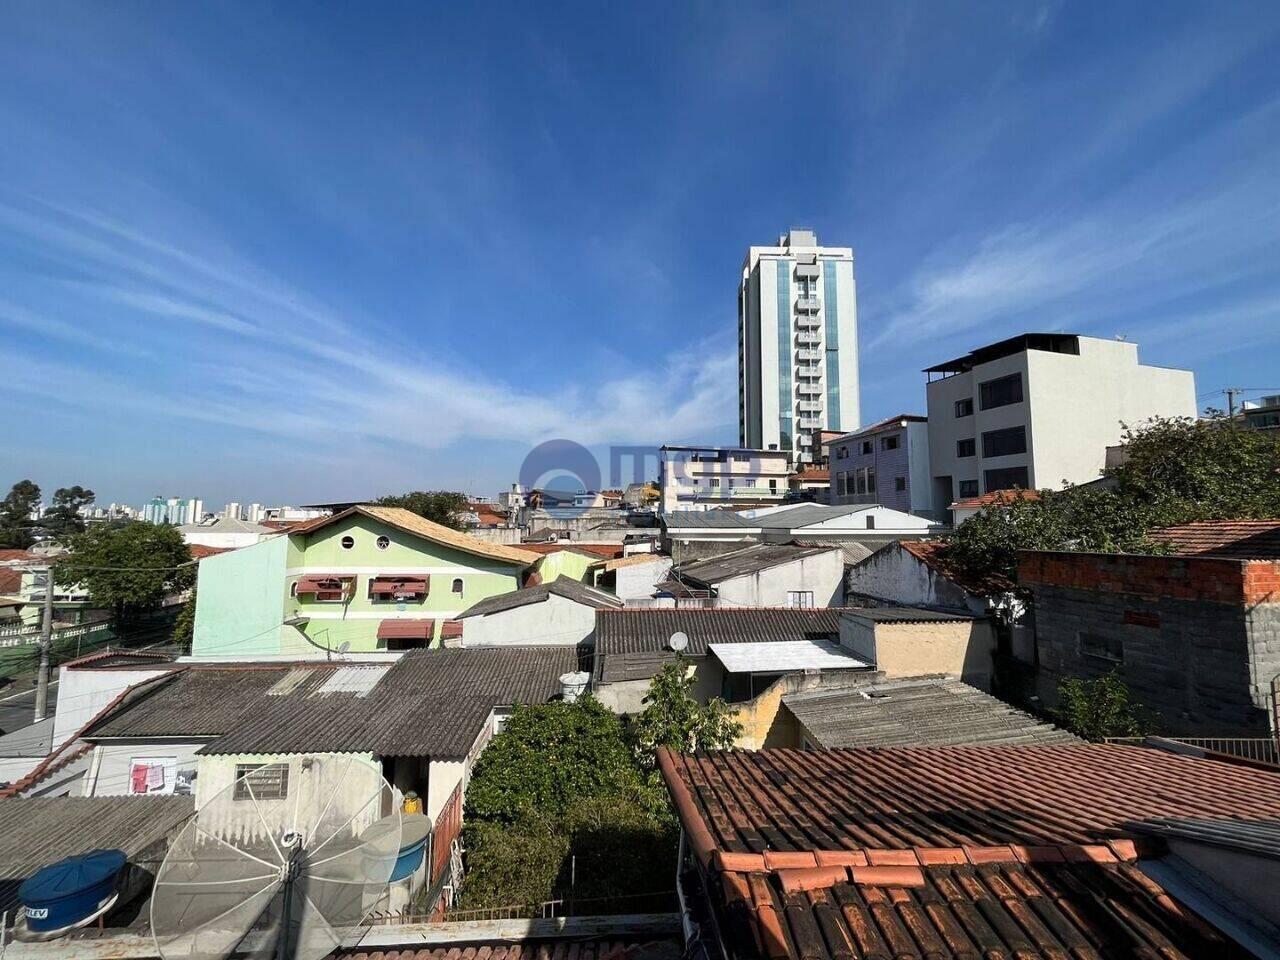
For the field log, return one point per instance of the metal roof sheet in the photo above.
(429, 703)
(648, 630)
(560, 587)
(921, 711)
(785, 656)
(744, 562)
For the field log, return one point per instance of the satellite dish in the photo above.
(679, 640)
(285, 862)
(344, 646)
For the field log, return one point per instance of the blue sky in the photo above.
(294, 252)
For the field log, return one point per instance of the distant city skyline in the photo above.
(343, 255)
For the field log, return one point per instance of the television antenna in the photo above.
(282, 864)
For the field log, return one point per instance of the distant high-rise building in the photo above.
(256, 513)
(231, 511)
(797, 345)
(174, 510)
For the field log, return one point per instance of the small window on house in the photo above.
(1006, 479)
(261, 781)
(715, 483)
(383, 542)
(773, 485)
(871, 522)
(866, 446)
(964, 407)
(348, 542)
(966, 448)
(889, 443)
(800, 598)
(899, 484)
(1100, 647)
(1004, 443)
(968, 488)
(842, 452)
(457, 586)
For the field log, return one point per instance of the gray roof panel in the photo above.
(560, 587)
(920, 711)
(749, 560)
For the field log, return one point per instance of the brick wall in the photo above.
(1198, 639)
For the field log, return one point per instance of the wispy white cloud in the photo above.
(290, 367)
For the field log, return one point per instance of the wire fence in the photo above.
(661, 901)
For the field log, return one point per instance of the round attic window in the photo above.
(383, 542)
(348, 542)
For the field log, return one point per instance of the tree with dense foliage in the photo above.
(127, 567)
(63, 518)
(1176, 471)
(673, 718)
(558, 797)
(184, 627)
(1101, 708)
(548, 757)
(15, 515)
(444, 507)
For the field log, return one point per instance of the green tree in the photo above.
(15, 515)
(63, 518)
(1177, 470)
(441, 506)
(548, 757)
(1183, 470)
(673, 718)
(129, 567)
(184, 627)
(1100, 708)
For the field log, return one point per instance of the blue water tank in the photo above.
(71, 890)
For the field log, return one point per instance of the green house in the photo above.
(366, 579)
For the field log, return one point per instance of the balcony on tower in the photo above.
(809, 388)
(808, 339)
(807, 304)
(809, 406)
(808, 321)
(807, 354)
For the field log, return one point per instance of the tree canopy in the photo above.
(441, 506)
(63, 518)
(673, 718)
(15, 515)
(127, 567)
(1100, 708)
(1176, 471)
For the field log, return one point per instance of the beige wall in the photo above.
(959, 649)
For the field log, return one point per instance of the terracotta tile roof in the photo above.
(410, 522)
(949, 852)
(18, 556)
(1238, 539)
(199, 551)
(906, 797)
(933, 554)
(10, 580)
(995, 497)
(814, 474)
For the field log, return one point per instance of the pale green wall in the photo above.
(565, 563)
(357, 621)
(239, 603)
(252, 591)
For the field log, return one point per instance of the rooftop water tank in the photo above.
(573, 685)
(71, 891)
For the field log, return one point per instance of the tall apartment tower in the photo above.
(797, 345)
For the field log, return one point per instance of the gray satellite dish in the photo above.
(285, 862)
(344, 646)
(679, 640)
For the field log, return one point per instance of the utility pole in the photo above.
(46, 646)
(1231, 404)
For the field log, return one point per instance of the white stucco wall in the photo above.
(894, 574)
(83, 692)
(1077, 405)
(823, 574)
(557, 620)
(637, 581)
(110, 765)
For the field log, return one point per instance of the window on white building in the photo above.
(261, 781)
(800, 598)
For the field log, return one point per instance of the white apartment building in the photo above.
(797, 345)
(703, 478)
(1039, 410)
(174, 510)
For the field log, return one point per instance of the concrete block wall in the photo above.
(1201, 636)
